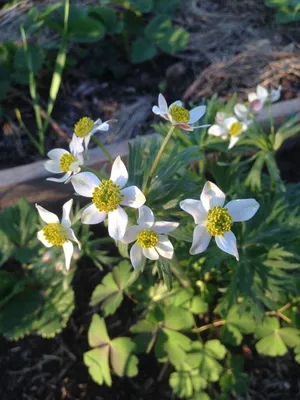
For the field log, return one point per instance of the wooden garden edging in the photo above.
(29, 180)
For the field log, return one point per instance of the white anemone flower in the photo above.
(231, 127)
(258, 99)
(62, 161)
(107, 197)
(86, 127)
(214, 219)
(149, 238)
(178, 115)
(57, 233)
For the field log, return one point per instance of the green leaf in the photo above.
(186, 384)
(145, 6)
(178, 318)
(176, 345)
(274, 341)
(110, 292)
(108, 17)
(123, 362)
(85, 30)
(142, 50)
(97, 335)
(237, 323)
(97, 362)
(234, 380)
(37, 56)
(297, 353)
(198, 305)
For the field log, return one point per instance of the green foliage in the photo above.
(106, 352)
(274, 341)
(110, 292)
(286, 10)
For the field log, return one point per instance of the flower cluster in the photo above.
(233, 126)
(110, 196)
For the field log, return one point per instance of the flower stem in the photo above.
(157, 159)
(208, 326)
(102, 147)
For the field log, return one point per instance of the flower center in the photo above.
(83, 127)
(107, 196)
(218, 221)
(65, 161)
(179, 114)
(147, 238)
(55, 233)
(235, 129)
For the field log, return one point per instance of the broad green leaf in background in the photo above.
(110, 292)
(187, 384)
(142, 50)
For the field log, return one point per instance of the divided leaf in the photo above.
(274, 341)
(110, 292)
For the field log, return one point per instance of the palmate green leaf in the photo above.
(108, 17)
(110, 292)
(98, 364)
(274, 341)
(238, 322)
(205, 358)
(188, 384)
(178, 318)
(145, 6)
(176, 345)
(115, 352)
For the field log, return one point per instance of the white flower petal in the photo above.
(146, 217)
(117, 223)
(156, 110)
(162, 104)
(233, 141)
(256, 105)
(134, 197)
(195, 208)
(275, 94)
(66, 214)
(201, 239)
(62, 179)
(177, 103)
(151, 253)
(91, 215)
(85, 183)
(262, 93)
(212, 196)
(131, 234)
(41, 237)
(53, 166)
(74, 167)
(241, 111)
(242, 210)
(229, 122)
(75, 145)
(164, 226)
(136, 255)
(71, 236)
(87, 141)
(119, 174)
(196, 113)
(46, 215)
(220, 117)
(252, 97)
(56, 154)
(227, 243)
(68, 250)
(164, 247)
(217, 130)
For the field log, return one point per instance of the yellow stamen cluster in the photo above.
(83, 127)
(235, 129)
(107, 196)
(55, 233)
(179, 114)
(218, 221)
(147, 238)
(65, 161)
